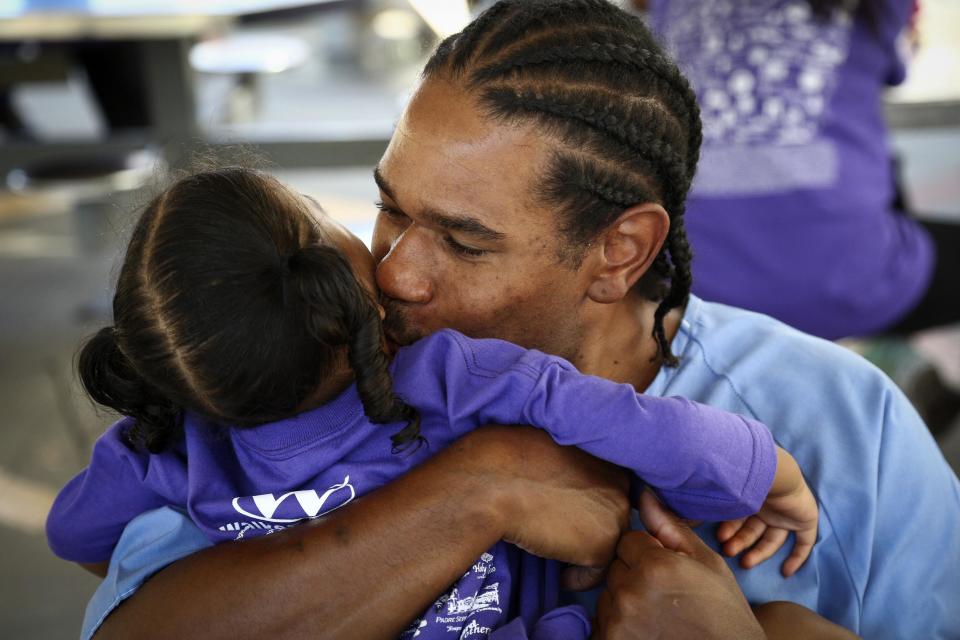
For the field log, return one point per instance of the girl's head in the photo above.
(243, 302)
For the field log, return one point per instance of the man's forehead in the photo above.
(492, 180)
(451, 217)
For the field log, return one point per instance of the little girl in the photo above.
(248, 357)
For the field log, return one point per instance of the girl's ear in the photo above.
(626, 250)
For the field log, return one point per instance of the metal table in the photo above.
(164, 29)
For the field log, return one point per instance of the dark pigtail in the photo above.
(341, 312)
(109, 379)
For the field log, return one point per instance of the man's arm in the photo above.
(790, 620)
(369, 568)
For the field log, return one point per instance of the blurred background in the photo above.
(98, 97)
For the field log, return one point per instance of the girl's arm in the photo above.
(706, 464)
(90, 512)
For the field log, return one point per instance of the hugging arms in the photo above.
(529, 197)
(367, 569)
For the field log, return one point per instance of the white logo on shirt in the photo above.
(310, 502)
(475, 629)
(487, 600)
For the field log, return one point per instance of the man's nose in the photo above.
(402, 274)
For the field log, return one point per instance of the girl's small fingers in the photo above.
(790, 566)
(802, 548)
(772, 540)
(751, 531)
(727, 529)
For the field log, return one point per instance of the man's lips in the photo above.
(396, 326)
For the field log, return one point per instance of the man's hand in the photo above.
(558, 502)
(668, 584)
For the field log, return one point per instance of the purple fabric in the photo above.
(238, 483)
(563, 623)
(790, 213)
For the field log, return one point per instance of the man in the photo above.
(534, 191)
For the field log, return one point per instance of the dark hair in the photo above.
(625, 120)
(230, 305)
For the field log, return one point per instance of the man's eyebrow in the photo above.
(463, 224)
(382, 183)
(452, 222)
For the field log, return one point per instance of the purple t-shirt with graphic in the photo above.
(790, 213)
(238, 483)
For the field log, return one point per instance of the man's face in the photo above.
(461, 241)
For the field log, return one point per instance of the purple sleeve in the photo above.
(705, 463)
(90, 512)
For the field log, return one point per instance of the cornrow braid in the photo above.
(584, 183)
(466, 41)
(535, 17)
(648, 142)
(607, 51)
(626, 121)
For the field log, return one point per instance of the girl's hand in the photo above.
(790, 506)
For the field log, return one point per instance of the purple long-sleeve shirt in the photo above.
(235, 483)
(791, 213)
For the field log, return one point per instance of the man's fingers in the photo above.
(634, 547)
(582, 578)
(668, 529)
(604, 607)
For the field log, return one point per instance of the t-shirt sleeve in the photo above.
(90, 512)
(912, 572)
(705, 463)
(149, 543)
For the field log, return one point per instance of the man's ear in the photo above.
(625, 251)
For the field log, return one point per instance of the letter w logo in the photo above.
(311, 504)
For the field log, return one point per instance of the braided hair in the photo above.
(626, 122)
(230, 305)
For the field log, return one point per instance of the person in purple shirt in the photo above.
(795, 210)
(291, 410)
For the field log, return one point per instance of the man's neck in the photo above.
(619, 343)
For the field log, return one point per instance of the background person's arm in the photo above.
(370, 568)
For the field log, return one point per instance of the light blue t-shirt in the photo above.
(888, 559)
